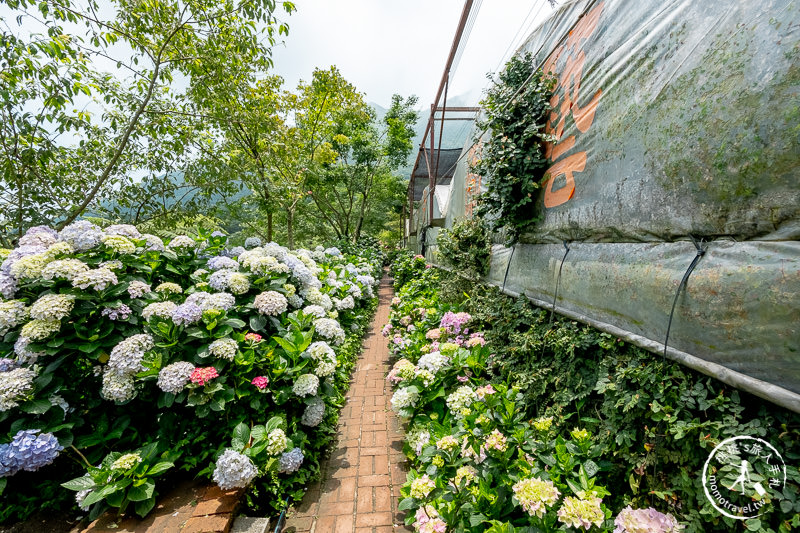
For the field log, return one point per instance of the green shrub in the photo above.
(512, 159)
(466, 246)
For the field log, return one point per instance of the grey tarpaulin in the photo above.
(674, 118)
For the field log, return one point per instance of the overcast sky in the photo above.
(389, 46)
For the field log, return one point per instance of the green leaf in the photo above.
(234, 323)
(286, 345)
(144, 507)
(160, 468)
(79, 483)
(3, 483)
(406, 504)
(142, 492)
(257, 323)
(786, 506)
(754, 524)
(37, 406)
(241, 432)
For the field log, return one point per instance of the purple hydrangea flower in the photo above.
(120, 312)
(8, 286)
(39, 236)
(223, 263)
(7, 364)
(82, 235)
(454, 322)
(187, 313)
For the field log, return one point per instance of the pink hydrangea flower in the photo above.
(433, 334)
(261, 382)
(253, 337)
(462, 379)
(201, 376)
(486, 390)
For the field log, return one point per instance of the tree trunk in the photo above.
(290, 227)
(269, 226)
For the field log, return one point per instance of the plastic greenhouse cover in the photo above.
(674, 119)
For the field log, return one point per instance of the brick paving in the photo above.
(360, 486)
(190, 507)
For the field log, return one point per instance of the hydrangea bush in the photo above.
(193, 356)
(478, 463)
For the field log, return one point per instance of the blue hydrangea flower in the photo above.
(187, 313)
(252, 242)
(290, 461)
(29, 450)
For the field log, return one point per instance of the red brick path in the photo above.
(360, 486)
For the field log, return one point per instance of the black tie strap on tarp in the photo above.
(558, 280)
(700, 249)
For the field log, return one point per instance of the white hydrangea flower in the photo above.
(173, 378)
(154, 242)
(306, 385)
(12, 314)
(403, 398)
(433, 362)
(314, 297)
(120, 244)
(116, 387)
(169, 288)
(126, 230)
(329, 329)
(461, 399)
(234, 470)
(126, 461)
(355, 291)
(277, 442)
(271, 303)
(159, 309)
(136, 289)
(295, 301)
(182, 241)
(52, 307)
(24, 355)
(30, 266)
(38, 330)
(64, 269)
(220, 300)
(126, 357)
(325, 368)
(314, 310)
(16, 386)
(224, 348)
(238, 283)
(98, 279)
(345, 303)
(114, 264)
(57, 249)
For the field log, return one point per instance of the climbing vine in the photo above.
(515, 113)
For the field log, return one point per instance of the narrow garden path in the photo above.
(360, 486)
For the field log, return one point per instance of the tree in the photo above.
(144, 122)
(360, 186)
